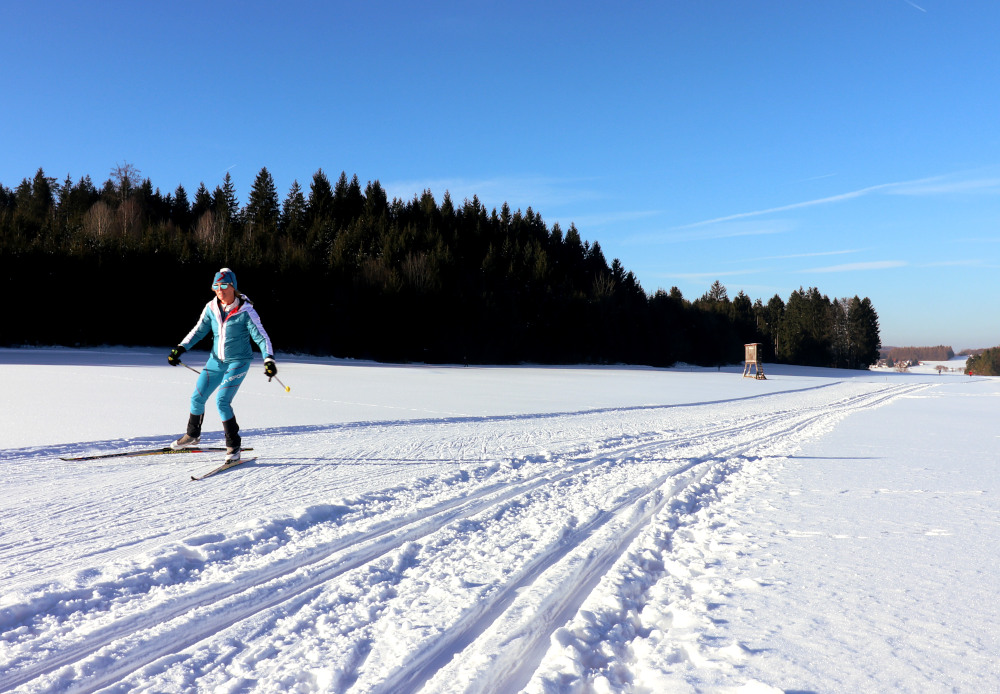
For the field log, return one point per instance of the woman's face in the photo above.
(225, 292)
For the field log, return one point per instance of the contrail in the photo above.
(794, 206)
(809, 203)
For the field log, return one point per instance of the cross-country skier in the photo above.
(231, 317)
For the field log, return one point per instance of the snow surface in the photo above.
(450, 529)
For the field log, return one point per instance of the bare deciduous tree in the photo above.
(98, 219)
(126, 178)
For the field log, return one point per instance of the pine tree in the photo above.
(226, 211)
(716, 300)
(773, 314)
(348, 202)
(743, 318)
(293, 214)
(63, 193)
(319, 206)
(319, 215)
(573, 245)
(152, 203)
(261, 213)
(597, 265)
(180, 211)
(230, 203)
(717, 293)
(840, 343)
(791, 331)
(805, 335)
(863, 333)
(75, 200)
(202, 202)
(376, 200)
(43, 190)
(35, 205)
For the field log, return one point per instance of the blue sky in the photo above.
(850, 145)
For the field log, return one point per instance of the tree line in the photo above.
(915, 354)
(343, 270)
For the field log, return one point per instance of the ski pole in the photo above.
(190, 367)
(287, 389)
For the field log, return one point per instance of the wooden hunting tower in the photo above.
(752, 358)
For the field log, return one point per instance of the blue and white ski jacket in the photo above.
(233, 331)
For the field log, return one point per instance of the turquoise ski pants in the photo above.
(227, 378)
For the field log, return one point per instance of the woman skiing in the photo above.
(231, 317)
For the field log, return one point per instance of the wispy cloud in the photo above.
(973, 185)
(726, 230)
(793, 256)
(599, 220)
(859, 267)
(817, 178)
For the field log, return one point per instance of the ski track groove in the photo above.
(467, 630)
(168, 628)
(453, 509)
(533, 641)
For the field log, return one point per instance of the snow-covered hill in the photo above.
(435, 529)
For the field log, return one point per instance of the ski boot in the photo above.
(193, 435)
(233, 440)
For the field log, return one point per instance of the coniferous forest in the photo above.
(986, 363)
(915, 354)
(341, 270)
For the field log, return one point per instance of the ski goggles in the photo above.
(221, 285)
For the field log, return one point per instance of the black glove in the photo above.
(174, 358)
(270, 368)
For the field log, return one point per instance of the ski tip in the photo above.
(223, 468)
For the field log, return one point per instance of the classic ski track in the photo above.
(406, 529)
(477, 620)
(533, 640)
(217, 613)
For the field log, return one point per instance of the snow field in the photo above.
(628, 545)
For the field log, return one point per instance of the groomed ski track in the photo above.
(432, 555)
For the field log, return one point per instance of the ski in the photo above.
(223, 467)
(153, 451)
